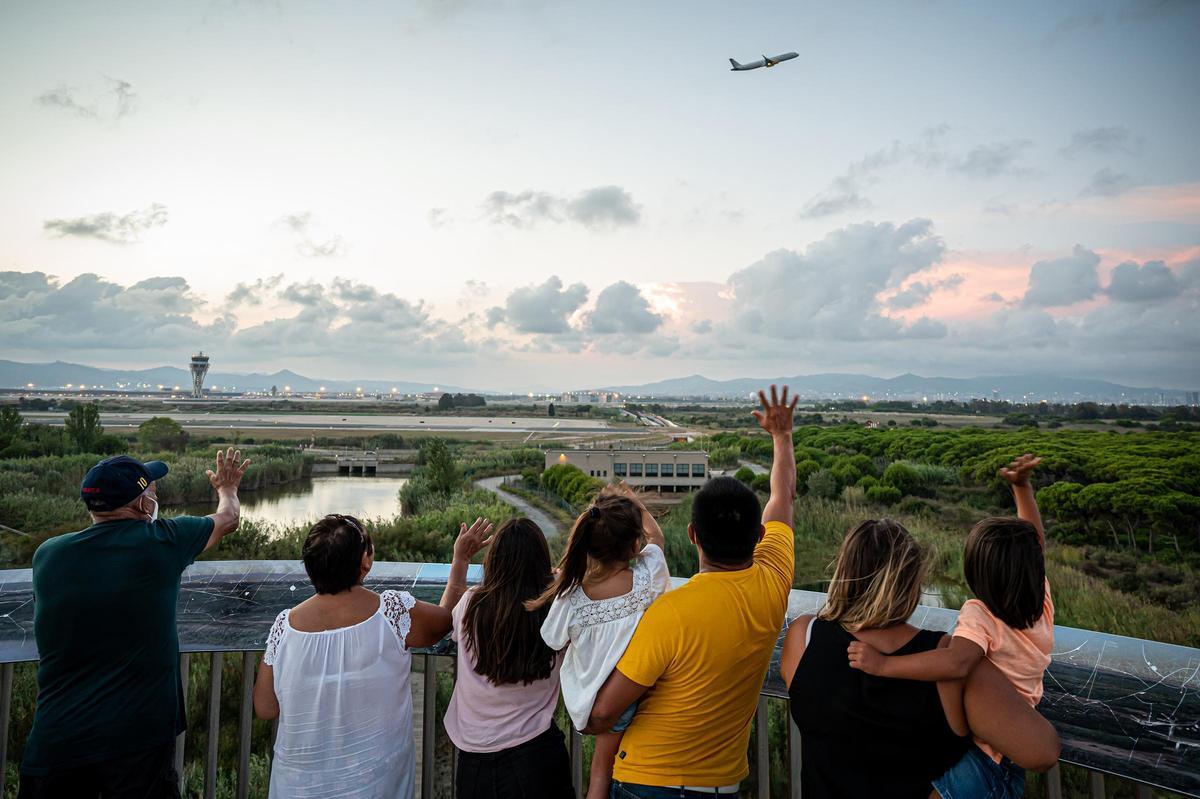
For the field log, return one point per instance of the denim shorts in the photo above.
(626, 718)
(977, 776)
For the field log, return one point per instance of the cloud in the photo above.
(621, 308)
(994, 160)
(919, 292)
(116, 102)
(253, 293)
(1107, 140)
(1107, 183)
(301, 224)
(599, 208)
(1146, 283)
(108, 226)
(701, 326)
(993, 296)
(541, 309)
(830, 290)
(929, 151)
(437, 218)
(1063, 281)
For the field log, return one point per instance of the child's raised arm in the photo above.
(952, 662)
(1017, 474)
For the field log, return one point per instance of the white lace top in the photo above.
(599, 631)
(345, 707)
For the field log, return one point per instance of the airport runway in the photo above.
(373, 422)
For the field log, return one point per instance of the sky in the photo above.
(551, 195)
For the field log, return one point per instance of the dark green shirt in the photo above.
(104, 619)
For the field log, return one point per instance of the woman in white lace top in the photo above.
(598, 600)
(336, 670)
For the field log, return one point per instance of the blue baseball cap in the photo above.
(115, 482)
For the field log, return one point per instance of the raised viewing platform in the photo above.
(1122, 706)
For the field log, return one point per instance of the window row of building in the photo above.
(651, 470)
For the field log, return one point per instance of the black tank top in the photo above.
(868, 736)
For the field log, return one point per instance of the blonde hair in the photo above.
(877, 578)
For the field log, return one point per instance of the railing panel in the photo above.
(245, 724)
(185, 662)
(6, 682)
(1122, 706)
(212, 750)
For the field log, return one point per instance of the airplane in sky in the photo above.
(766, 62)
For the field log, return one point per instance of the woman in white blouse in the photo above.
(336, 670)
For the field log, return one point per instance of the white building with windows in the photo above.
(664, 470)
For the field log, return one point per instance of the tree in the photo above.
(903, 477)
(550, 409)
(83, 426)
(745, 475)
(10, 425)
(884, 495)
(823, 484)
(446, 402)
(440, 469)
(162, 433)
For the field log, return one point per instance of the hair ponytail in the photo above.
(609, 531)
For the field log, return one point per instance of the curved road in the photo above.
(538, 516)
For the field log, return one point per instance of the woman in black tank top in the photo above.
(865, 736)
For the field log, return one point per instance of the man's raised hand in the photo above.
(776, 414)
(1017, 473)
(229, 471)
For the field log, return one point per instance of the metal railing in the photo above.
(431, 664)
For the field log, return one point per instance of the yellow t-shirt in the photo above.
(705, 648)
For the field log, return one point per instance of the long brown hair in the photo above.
(1005, 567)
(504, 637)
(609, 532)
(877, 580)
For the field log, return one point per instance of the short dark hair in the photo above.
(727, 519)
(1005, 567)
(333, 553)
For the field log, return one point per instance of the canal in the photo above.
(302, 502)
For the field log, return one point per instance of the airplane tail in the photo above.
(735, 64)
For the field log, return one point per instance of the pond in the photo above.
(304, 501)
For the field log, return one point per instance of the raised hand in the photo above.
(865, 657)
(1017, 473)
(776, 414)
(472, 539)
(229, 471)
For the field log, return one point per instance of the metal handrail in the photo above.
(428, 736)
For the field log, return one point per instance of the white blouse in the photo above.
(345, 707)
(599, 630)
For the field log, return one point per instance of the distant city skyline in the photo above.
(513, 194)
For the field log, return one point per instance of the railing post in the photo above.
(185, 662)
(245, 720)
(762, 756)
(6, 679)
(577, 762)
(1054, 782)
(214, 726)
(1142, 792)
(1096, 783)
(795, 760)
(429, 727)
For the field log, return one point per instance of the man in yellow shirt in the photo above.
(700, 653)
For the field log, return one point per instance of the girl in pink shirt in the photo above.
(1011, 623)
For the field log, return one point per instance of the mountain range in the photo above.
(816, 386)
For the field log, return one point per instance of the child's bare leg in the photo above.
(605, 754)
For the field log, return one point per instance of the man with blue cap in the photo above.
(110, 702)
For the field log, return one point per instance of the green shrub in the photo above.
(883, 494)
(867, 482)
(762, 482)
(804, 470)
(902, 477)
(745, 474)
(823, 484)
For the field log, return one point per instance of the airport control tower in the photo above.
(199, 370)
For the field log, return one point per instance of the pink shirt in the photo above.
(487, 718)
(1021, 655)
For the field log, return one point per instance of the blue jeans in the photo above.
(625, 719)
(627, 790)
(977, 776)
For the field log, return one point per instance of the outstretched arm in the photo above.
(952, 662)
(1017, 474)
(776, 418)
(226, 478)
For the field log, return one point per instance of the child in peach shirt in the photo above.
(1011, 624)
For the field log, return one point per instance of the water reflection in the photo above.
(302, 502)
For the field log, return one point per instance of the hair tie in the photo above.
(593, 512)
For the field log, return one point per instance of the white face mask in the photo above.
(153, 513)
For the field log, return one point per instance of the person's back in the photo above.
(110, 702)
(900, 723)
(104, 619)
(699, 655)
(705, 648)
